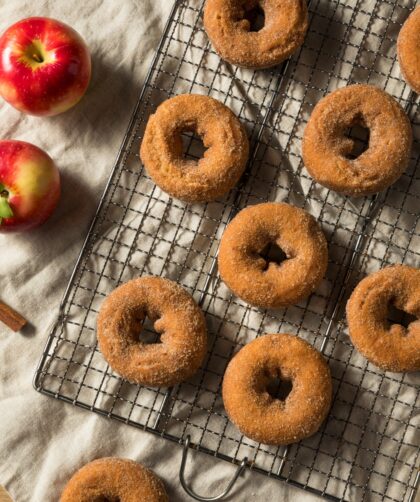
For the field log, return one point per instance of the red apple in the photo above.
(29, 186)
(44, 66)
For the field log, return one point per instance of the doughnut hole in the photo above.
(193, 148)
(145, 328)
(273, 381)
(279, 387)
(105, 498)
(253, 17)
(399, 317)
(358, 136)
(272, 253)
(150, 332)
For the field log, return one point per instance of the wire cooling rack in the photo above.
(368, 447)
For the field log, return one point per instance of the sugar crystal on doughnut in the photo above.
(286, 23)
(114, 479)
(259, 415)
(326, 149)
(408, 49)
(390, 346)
(183, 341)
(223, 136)
(269, 284)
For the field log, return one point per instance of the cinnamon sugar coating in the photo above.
(325, 146)
(222, 134)
(114, 479)
(255, 412)
(408, 49)
(389, 346)
(286, 23)
(175, 315)
(268, 284)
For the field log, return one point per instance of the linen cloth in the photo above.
(42, 440)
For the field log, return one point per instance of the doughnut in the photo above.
(228, 27)
(183, 342)
(223, 136)
(265, 283)
(116, 480)
(253, 409)
(391, 347)
(326, 148)
(408, 49)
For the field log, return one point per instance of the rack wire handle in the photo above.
(184, 485)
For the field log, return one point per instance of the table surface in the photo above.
(43, 441)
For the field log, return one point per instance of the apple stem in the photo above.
(37, 58)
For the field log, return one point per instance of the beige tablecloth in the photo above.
(43, 441)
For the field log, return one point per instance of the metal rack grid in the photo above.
(368, 447)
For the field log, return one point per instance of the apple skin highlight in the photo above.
(45, 66)
(30, 182)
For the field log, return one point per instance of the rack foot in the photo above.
(222, 495)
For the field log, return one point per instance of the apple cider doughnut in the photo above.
(114, 479)
(326, 148)
(388, 345)
(265, 283)
(251, 406)
(176, 317)
(408, 49)
(228, 27)
(223, 136)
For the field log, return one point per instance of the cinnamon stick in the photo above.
(11, 318)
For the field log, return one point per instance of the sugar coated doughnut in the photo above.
(265, 283)
(326, 148)
(253, 409)
(408, 48)
(175, 315)
(223, 136)
(228, 26)
(387, 344)
(116, 480)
